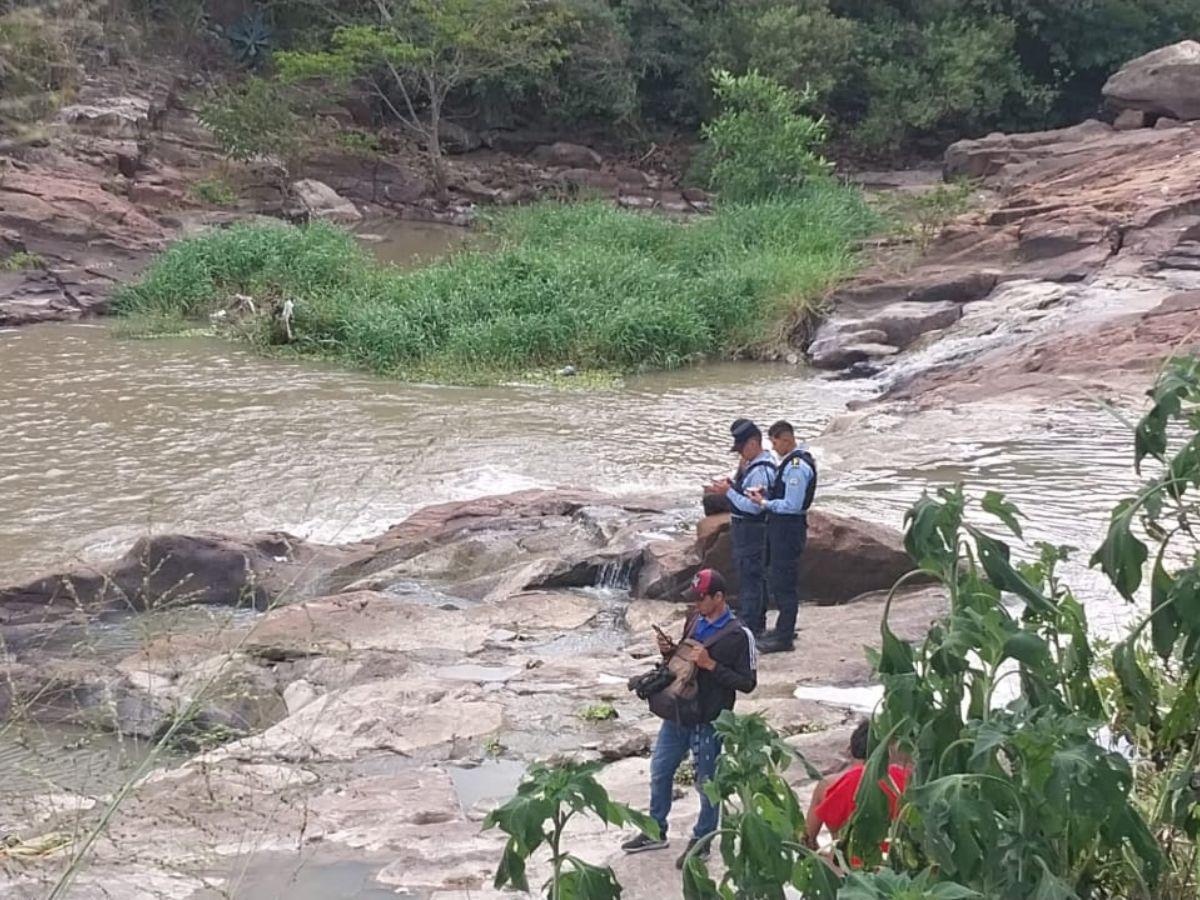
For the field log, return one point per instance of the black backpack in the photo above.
(779, 487)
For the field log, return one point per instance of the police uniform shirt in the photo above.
(756, 476)
(795, 477)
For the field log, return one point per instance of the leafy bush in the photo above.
(760, 145)
(547, 799)
(20, 261)
(595, 77)
(946, 79)
(215, 191)
(37, 65)
(802, 45)
(253, 119)
(587, 285)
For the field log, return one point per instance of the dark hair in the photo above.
(780, 427)
(858, 740)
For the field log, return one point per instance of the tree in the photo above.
(761, 145)
(422, 50)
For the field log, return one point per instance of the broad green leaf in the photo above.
(868, 827)
(814, 878)
(995, 504)
(1164, 621)
(1122, 555)
(1051, 887)
(1137, 691)
(994, 557)
(1027, 648)
(583, 881)
(697, 883)
(895, 655)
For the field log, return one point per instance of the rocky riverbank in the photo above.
(1074, 279)
(472, 635)
(87, 199)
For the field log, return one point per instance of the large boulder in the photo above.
(113, 117)
(174, 570)
(1165, 82)
(844, 558)
(320, 201)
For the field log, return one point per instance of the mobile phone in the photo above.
(661, 633)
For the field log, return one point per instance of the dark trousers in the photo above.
(786, 536)
(749, 540)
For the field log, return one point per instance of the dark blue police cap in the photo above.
(742, 430)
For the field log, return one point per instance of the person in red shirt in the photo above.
(833, 800)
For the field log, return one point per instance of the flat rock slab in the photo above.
(391, 716)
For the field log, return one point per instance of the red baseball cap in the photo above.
(706, 581)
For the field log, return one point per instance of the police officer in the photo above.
(786, 505)
(748, 528)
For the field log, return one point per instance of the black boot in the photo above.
(775, 643)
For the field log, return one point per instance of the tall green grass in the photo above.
(585, 284)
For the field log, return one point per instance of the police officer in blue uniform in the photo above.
(786, 505)
(748, 527)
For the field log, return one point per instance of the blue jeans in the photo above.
(674, 742)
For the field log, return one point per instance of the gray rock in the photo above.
(567, 156)
(115, 117)
(903, 323)
(454, 138)
(1165, 82)
(1166, 122)
(321, 201)
(1130, 120)
(591, 179)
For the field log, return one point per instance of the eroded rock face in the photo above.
(1164, 82)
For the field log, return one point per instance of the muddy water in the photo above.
(103, 439)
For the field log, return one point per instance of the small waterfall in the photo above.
(615, 575)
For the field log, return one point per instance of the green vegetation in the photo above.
(546, 801)
(889, 76)
(418, 51)
(760, 146)
(20, 261)
(256, 118)
(37, 65)
(598, 712)
(1019, 788)
(214, 190)
(586, 285)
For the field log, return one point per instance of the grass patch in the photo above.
(586, 285)
(20, 261)
(598, 712)
(213, 191)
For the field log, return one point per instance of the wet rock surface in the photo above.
(344, 721)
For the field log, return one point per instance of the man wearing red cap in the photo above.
(726, 661)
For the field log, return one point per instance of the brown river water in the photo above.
(103, 439)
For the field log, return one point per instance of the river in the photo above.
(103, 439)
